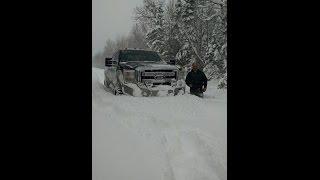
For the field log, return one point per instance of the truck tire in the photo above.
(117, 89)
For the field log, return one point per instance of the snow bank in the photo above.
(158, 138)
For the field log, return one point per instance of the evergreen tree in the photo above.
(188, 30)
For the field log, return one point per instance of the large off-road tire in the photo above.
(116, 90)
(178, 92)
(106, 82)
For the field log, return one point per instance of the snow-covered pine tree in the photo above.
(216, 54)
(155, 36)
(188, 13)
(172, 37)
(220, 31)
(189, 30)
(178, 53)
(151, 17)
(186, 10)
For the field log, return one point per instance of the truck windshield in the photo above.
(138, 55)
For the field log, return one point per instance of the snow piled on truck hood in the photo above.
(148, 65)
(159, 138)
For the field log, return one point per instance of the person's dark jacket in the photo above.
(196, 80)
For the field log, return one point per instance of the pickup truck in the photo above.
(138, 72)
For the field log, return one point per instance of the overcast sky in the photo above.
(111, 18)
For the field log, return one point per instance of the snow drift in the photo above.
(159, 138)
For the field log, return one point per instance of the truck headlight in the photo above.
(128, 75)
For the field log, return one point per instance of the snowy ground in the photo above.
(158, 138)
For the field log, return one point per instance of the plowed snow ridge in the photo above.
(158, 138)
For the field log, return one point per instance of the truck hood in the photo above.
(141, 66)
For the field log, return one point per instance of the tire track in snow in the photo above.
(189, 153)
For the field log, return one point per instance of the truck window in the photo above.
(134, 55)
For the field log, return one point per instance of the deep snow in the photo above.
(158, 138)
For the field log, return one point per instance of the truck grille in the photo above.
(158, 77)
(153, 77)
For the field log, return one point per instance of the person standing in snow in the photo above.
(197, 81)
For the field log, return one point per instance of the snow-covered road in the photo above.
(158, 138)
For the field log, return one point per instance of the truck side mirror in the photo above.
(108, 61)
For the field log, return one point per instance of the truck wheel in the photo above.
(116, 91)
(106, 84)
(113, 89)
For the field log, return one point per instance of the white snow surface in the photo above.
(158, 138)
